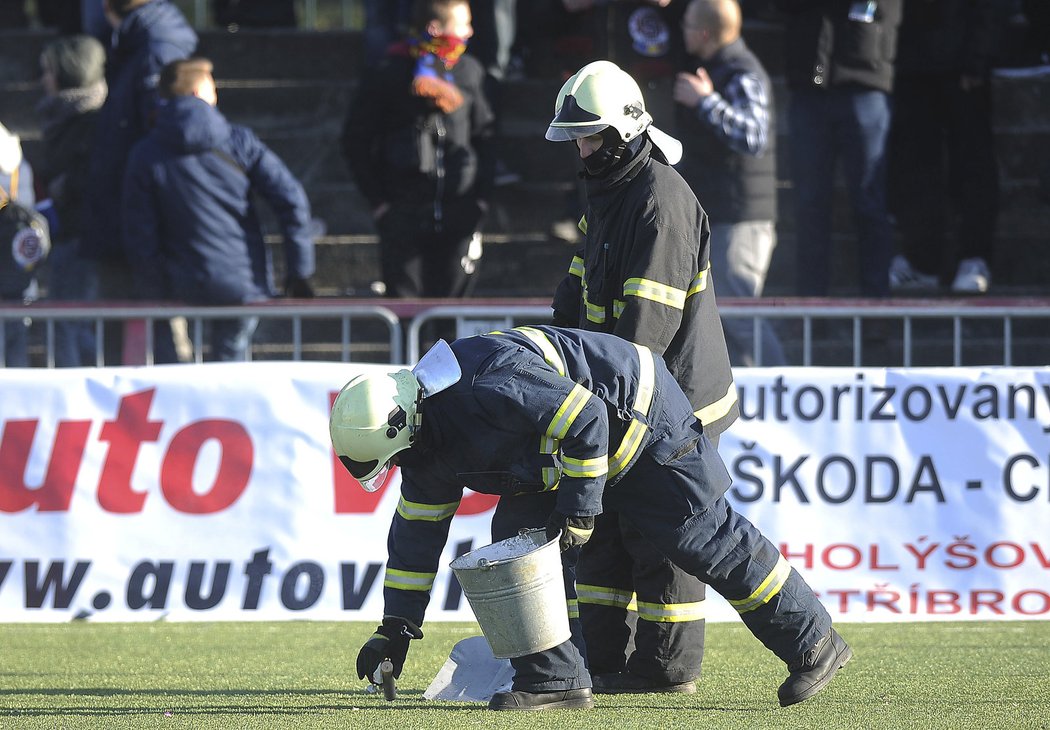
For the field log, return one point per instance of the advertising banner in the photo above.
(210, 492)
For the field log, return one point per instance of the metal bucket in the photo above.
(516, 589)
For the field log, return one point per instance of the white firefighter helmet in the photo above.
(373, 418)
(602, 95)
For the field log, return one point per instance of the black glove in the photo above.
(296, 288)
(390, 641)
(574, 530)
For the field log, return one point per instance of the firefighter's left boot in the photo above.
(814, 668)
(567, 699)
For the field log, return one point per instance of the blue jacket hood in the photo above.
(155, 23)
(187, 124)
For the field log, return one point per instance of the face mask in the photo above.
(605, 157)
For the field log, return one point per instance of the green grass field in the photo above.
(300, 675)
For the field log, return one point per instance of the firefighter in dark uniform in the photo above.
(575, 420)
(644, 275)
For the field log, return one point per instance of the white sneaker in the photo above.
(973, 277)
(903, 276)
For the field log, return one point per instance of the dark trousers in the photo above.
(422, 255)
(943, 173)
(667, 503)
(669, 634)
(850, 127)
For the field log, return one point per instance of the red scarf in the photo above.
(435, 58)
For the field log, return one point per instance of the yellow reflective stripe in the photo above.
(654, 291)
(576, 267)
(551, 477)
(699, 282)
(567, 412)
(646, 379)
(550, 352)
(632, 439)
(582, 225)
(669, 613)
(767, 589)
(718, 409)
(604, 596)
(549, 445)
(595, 312)
(573, 606)
(618, 307)
(584, 468)
(426, 512)
(406, 580)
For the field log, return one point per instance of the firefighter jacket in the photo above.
(536, 409)
(644, 274)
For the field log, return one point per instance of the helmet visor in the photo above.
(568, 133)
(374, 482)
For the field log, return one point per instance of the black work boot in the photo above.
(814, 669)
(626, 683)
(566, 699)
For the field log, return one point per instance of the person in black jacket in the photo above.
(415, 140)
(191, 230)
(839, 67)
(73, 76)
(644, 274)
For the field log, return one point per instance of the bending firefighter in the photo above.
(561, 423)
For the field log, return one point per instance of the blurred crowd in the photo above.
(149, 192)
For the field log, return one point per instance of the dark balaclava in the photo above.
(613, 154)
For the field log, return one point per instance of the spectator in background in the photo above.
(643, 275)
(73, 77)
(416, 140)
(726, 121)
(191, 231)
(839, 69)
(16, 183)
(943, 174)
(147, 35)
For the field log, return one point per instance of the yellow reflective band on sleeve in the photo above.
(618, 307)
(574, 607)
(582, 225)
(646, 379)
(426, 512)
(767, 589)
(627, 448)
(406, 580)
(576, 267)
(595, 312)
(550, 352)
(604, 596)
(718, 409)
(567, 412)
(699, 282)
(670, 613)
(585, 468)
(654, 291)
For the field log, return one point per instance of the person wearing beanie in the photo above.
(73, 76)
(16, 183)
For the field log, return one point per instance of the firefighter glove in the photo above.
(390, 641)
(574, 530)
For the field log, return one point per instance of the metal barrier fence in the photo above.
(903, 332)
(331, 342)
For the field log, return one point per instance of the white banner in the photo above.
(210, 492)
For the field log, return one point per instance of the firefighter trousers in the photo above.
(619, 567)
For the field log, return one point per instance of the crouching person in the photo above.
(561, 423)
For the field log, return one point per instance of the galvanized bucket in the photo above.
(516, 589)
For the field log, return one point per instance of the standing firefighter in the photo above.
(560, 423)
(643, 274)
